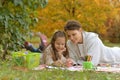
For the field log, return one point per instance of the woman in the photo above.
(82, 43)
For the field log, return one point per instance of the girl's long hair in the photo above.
(55, 36)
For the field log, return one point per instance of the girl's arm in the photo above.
(47, 57)
(61, 59)
(58, 63)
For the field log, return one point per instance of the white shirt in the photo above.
(93, 46)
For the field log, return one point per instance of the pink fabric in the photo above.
(44, 39)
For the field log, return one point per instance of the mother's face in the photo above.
(75, 36)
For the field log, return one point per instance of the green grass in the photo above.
(107, 43)
(8, 73)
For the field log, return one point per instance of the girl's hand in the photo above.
(58, 63)
(41, 67)
(69, 62)
(62, 50)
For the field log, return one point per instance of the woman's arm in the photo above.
(94, 49)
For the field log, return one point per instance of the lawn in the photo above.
(8, 72)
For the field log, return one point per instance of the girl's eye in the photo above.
(60, 44)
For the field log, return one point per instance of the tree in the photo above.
(16, 18)
(91, 13)
(113, 24)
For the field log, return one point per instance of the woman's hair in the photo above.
(56, 35)
(72, 25)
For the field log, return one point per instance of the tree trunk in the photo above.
(5, 51)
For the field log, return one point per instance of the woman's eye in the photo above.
(68, 36)
(74, 34)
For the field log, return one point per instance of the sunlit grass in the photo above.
(107, 43)
(7, 72)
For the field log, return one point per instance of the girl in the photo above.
(56, 53)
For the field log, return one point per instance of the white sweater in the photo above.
(93, 46)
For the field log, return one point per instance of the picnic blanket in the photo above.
(112, 69)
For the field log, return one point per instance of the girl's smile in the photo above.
(60, 43)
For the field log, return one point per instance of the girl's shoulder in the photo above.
(48, 49)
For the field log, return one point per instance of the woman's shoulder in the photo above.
(70, 43)
(89, 35)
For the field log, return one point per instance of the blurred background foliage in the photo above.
(16, 18)
(100, 16)
(19, 19)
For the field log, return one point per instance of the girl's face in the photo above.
(75, 36)
(60, 44)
